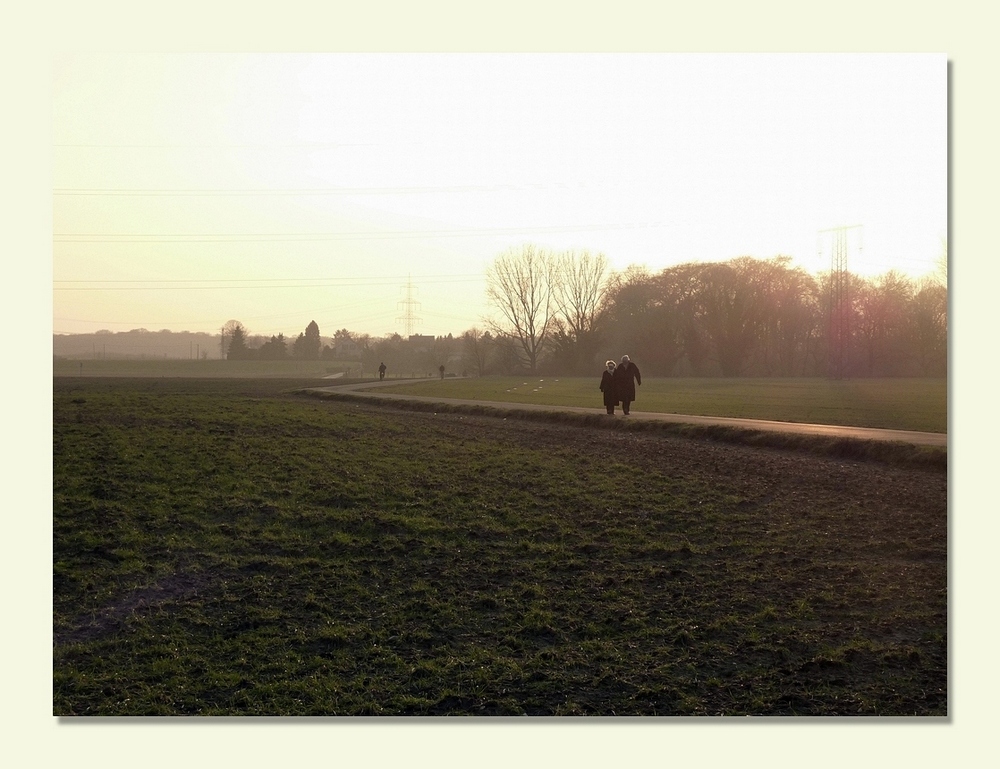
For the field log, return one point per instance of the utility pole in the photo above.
(839, 327)
(408, 305)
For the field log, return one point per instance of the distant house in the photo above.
(421, 341)
(346, 348)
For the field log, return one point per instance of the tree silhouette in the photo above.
(307, 346)
(238, 349)
(476, 346)
(273, 349)
(579, 288)
(519, 284)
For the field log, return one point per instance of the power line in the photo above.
(409, 190)
(387, 278)
(140, 286)
(309, 237)
(217, 146)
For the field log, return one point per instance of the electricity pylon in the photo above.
(839, 328)
(408, 305)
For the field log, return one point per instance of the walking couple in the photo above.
(618, 384)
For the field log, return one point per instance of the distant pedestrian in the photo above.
(381, 371)
(608, 387)
(441, 369)
(627, 376)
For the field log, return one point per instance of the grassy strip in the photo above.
(893, 404)
(888, 452)
(223, 548)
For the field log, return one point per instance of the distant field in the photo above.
(229, 547)
(895, 404)
(198, 368)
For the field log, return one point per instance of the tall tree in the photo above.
(237, 348)
(788, 331)
(227, 335)
(884, 318)
(729, 298)
(505, 354)
(631, 316)
(929, 310)
(679, 319)
(519, 284)
(307, 345)
(273, 349)
(579, 288)
(476, 346)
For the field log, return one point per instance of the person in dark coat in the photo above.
(627, 376)
(608, 388)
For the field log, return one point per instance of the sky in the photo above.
(372, 191)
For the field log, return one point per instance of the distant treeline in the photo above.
(141, 344)
(744, 317)
(137, 344)
(754, 317)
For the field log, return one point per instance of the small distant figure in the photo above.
(608, 388)
(627, 376)
(381, 371)
(441, 369)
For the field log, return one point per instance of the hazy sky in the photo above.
(278, 189)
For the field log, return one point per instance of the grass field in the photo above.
(199, 369)
(228, 547)
(895, 404)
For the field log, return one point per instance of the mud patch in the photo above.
(111, 619)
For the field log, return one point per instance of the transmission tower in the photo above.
(408, 306)
(839, 336)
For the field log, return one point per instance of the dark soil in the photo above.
(236, 549)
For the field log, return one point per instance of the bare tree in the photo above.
(728, 300)
(941, 265)
(519, 283)
(929, 324)
(476, 349)
(884, 319)
(579, 290)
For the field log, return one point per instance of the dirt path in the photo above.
(833, 431)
